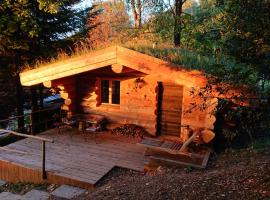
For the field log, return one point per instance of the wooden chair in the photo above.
(94, 124)
(65, 120)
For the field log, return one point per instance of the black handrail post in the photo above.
(44, 175)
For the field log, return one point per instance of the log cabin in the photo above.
(128, 87)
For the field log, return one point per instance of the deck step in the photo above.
(67, 192)
(10, 196)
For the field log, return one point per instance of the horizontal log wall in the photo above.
(137, 104)
(68, 91)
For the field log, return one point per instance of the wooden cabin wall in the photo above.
(67, 88)
(193, 113)
(137, 104)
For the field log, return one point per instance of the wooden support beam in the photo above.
(47, 84)
(184, 146)
(65, 107)
(117, 68)
(207, 135)
(64, 95)
(67, 102)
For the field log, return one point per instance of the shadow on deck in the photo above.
(70, 159)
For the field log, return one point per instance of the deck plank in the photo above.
(73, 158)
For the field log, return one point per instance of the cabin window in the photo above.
(110, 91)
(115, 92)
(105, 91)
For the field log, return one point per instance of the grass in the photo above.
(224, 67)
(189, 59)
(79, 50)
(22, 188)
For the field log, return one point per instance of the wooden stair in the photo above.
(167, 152)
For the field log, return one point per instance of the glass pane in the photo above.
(116, 92)
(104, 91)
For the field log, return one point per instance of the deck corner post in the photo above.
(44, 175)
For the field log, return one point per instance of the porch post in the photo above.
(44, 175)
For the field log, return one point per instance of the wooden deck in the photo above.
(70, 160)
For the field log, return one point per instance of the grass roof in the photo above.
(222, 67)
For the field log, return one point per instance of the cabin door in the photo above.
(170, 99)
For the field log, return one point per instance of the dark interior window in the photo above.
(105, 91)
(115, 92)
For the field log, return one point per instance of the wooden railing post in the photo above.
(44, 175)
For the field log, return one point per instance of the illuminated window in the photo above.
(110, 91)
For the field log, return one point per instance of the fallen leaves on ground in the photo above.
(239, 175)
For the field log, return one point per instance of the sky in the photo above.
(88, 3)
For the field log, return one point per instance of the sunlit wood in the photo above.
(110, 56)
(67, 102)
(65, 107)
(139, 109)
(207, 136)
(117, 68)
(64, 95)
(90, 161)
(47, 84)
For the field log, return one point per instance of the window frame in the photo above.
(110, 91)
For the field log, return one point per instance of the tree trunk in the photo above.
(137, 13)
(20, 101)
(178, 22)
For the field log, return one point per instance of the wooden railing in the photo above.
(43, 147)
(43, 119)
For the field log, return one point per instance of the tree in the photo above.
(136, 8)
(169, 20)
(110, 25)
(180, 6)
(141, 8)
(178, 24)
(31, 29)
(248, 37)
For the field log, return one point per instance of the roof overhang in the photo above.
(105, 57)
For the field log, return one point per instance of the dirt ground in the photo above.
(235, 175)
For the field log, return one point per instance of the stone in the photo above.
(68, 192)
(36, 195)
(2, 183)
(9, 196)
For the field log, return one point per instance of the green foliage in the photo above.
(34, 28)
(262, 143)
(249, 39)
(229, 39)
(162, 25)
(31, 29)
(7, 100)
